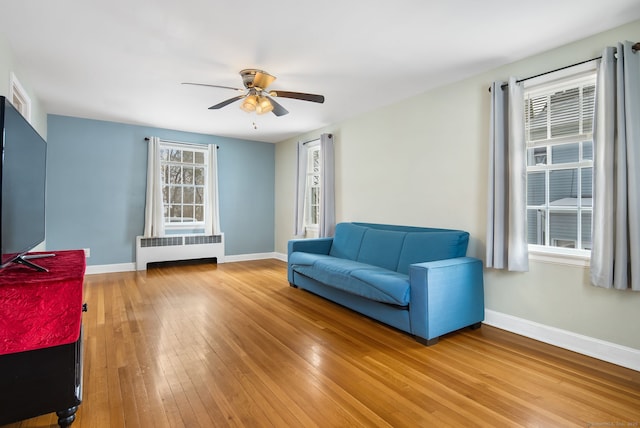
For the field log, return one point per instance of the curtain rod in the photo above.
(178, 142)
(635, 48)
(315, 139)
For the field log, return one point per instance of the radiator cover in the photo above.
(178, 247)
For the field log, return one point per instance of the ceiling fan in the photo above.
(256, 96)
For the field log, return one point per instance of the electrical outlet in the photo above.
(87, 252)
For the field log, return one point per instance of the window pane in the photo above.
(315, 196)
(199, 195)
(199, 158)
(535, 227)
(588, 96)
(198, 173)
(565, 112)
(187, 157)
(188, 195)
(199, 213)
(535, 188)
(165, 194)
(536, 113)
(563, 187)
(176, 195)
(164, 155)
(586, 230)
(537, 156)
(563, 229)
(164, 174)
(187, 213)
(587, 150)
(187, 175)
(587, 185)
(175, 213)
(175, 174)
(565, 153)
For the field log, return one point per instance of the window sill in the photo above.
(560, 256)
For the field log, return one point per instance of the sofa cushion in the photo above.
(381, 248)
(361, 279)
(429, 246)
(393, 285)
(346, 241)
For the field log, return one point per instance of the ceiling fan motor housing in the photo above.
(252, 78)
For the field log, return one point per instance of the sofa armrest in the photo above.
(446, 295)
(312, 245)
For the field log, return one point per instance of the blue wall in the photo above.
(96, 183)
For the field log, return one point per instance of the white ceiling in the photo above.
(124, 60)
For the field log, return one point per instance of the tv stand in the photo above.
(41, 358)
(24, 260)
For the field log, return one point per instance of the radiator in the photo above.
(174, 248)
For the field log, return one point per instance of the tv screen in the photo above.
(22, 186)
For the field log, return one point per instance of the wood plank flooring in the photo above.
(233, 345)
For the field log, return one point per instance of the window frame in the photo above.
(19, 97)
(556, 81)
(182, 226)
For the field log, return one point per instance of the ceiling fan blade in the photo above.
(226, 102)
(213, 86)
(298, 96)
(278, 110)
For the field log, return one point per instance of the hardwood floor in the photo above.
(234, 345)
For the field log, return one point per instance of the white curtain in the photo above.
(615, 255)
(327, 191)
(301, 182)
(153, 212)
(506, 216)
(212, 221)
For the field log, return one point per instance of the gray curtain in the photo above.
(615, 255)
(301, 180)
(506, 216)
(327, 192)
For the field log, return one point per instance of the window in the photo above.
(183, 173)
(312, 190)
(558, 135)
(19, 98)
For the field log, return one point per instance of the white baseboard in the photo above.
(119, 267)
(249, 257)
(130, 267)
(596, 348)
(280, 256)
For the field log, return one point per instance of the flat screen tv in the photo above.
(22, 187)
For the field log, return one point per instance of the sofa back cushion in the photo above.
(396, 247)
(429, 246)
(346, 241)
(381, 248)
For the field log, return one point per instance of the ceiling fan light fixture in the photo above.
(264, 105)
(250, 104)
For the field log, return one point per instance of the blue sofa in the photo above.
(415, 279)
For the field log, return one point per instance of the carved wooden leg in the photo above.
(66, 417)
